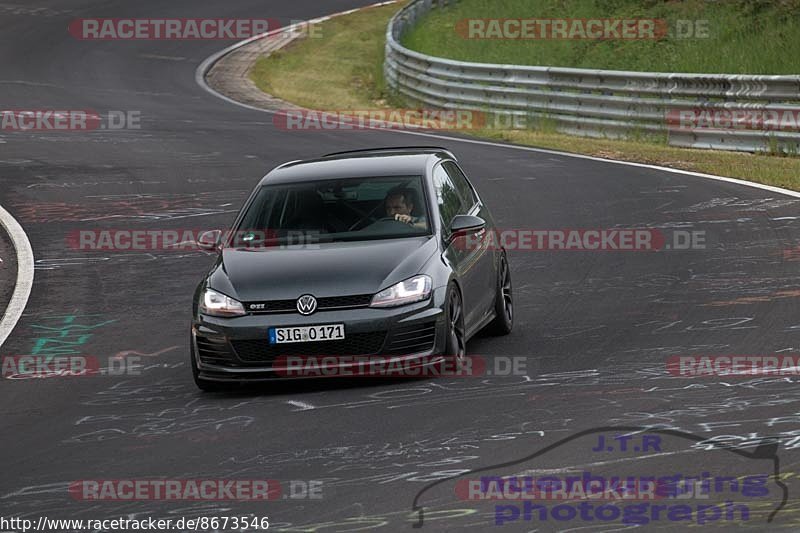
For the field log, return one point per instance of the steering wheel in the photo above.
(361, 222)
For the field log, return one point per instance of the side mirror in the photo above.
(209, 240)
(465, 224)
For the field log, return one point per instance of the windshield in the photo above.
(348, 209)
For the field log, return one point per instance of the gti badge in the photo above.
(306, 304)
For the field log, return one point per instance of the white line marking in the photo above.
(209, 62)
(22, 289)
(303, 405)
(178, 244)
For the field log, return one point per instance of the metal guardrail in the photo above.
(601, 103)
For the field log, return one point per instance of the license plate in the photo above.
(328, 332)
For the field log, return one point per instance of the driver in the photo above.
(399, 203)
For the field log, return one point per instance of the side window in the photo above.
(462, 185)
(447, 196)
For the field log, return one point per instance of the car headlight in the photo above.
(217, 304)
(409, 291)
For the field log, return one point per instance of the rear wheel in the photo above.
(503, 322)
(456, 345)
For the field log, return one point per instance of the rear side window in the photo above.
(463, 187)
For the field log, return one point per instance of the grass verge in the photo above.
(342, 69)
(730, 37)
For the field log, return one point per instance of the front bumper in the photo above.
(237, 349)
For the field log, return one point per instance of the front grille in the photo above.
(261, 351)
(413, 339)
(358, 300)
(212, 351)
(323, 304)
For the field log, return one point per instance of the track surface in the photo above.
(596, 327)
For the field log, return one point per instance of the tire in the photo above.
(503, 322)
(456, 344)
(203, 384)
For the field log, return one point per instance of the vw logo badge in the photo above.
(306, 304)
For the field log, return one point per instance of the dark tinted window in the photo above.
(346, 209)
(462, 185)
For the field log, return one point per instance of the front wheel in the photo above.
(503, 322)
(456, 345)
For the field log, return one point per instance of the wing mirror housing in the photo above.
(465, 224)
(210, 240)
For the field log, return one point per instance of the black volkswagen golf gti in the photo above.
(380, 252)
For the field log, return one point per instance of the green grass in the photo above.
(342, 69)
(335, 73)
(745, 36)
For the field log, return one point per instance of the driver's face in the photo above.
(396, 205)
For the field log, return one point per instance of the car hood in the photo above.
(328, 269)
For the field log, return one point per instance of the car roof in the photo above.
(375, 162)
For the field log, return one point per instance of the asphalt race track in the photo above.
(596, 328)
